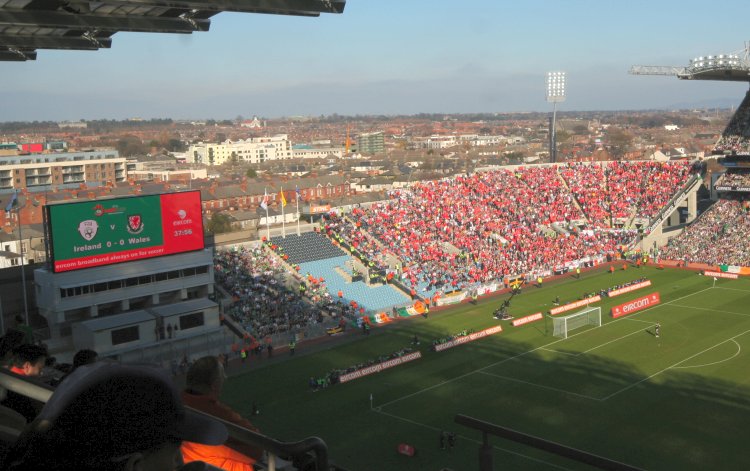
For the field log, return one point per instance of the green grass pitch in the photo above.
(677, 402)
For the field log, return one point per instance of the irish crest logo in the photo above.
(88, 229)
(135, 224)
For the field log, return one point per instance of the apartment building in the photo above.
(253, 150)
(61, 170)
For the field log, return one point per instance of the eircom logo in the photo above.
(636, 305)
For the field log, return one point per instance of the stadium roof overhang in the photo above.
(737, 74)
(29, 25)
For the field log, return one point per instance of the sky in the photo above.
(388, 57)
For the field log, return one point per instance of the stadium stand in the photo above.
(736, 136)
(306, 247)
(718, 237)
(734, 178)
(455, 233)
(624, 189)
(262, 302)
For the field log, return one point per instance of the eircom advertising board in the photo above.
(635, 305)
(102, 232)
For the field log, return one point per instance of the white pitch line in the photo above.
(713, 310)
(732, 289)
(739, 350)
(559, 351)
(505, 450)
(564, 391)
(672, 366)
(442, 383)
(640, 320)
(612, 341)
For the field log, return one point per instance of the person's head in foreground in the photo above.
(113, 417)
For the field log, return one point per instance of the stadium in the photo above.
(573, 315)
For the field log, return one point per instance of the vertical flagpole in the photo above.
(296, 197)
(268, 222)
(283, 225)
(23, 262)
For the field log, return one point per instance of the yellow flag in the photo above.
(283, 199)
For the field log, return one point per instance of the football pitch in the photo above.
(677, 401)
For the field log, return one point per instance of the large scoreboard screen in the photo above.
(102, 232)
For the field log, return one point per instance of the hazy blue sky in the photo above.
(390, 57)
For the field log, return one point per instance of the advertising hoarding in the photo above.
(106, 231)
(635, 305)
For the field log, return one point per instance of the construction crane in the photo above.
(734, 67)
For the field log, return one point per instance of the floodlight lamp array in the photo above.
(716, 61)
(555, 86)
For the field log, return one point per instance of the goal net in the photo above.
(588, 316)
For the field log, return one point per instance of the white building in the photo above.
(165, 171)
(151, 310)
(253, 150)
(318, 152)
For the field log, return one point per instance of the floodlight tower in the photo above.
(555, 95)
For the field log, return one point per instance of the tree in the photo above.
(219, 223)
(130, 145)
(619, 141)
(251, 173)
(580, 130)
(233, 158)
(176, 145)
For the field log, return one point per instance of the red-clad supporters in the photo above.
(453, 233)
(624, 190)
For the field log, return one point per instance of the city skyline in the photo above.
(389, 58)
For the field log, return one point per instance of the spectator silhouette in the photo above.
(204, 382)
(27, 360)
(112, 417)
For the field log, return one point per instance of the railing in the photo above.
(574, 454)
(312, 447)
(672, 204)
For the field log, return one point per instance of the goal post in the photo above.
(589, 316)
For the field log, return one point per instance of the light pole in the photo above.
(555, 95)
(13, 204)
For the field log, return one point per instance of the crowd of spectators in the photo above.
(736, 136)
(263, 303)
(617, 190)
(361, 243)
(458, 232)
(718, 237)
(735, 179)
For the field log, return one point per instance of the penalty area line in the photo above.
(536, 385)
(731, 339)
(519, 355)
